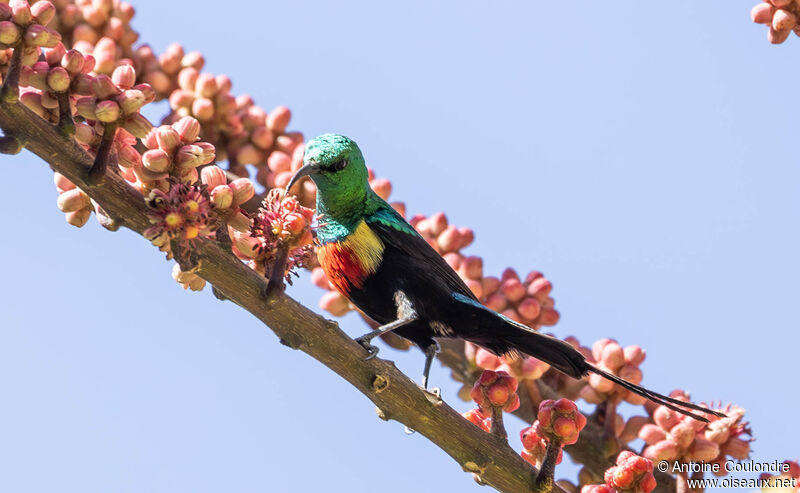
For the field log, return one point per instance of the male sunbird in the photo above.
(385, 268)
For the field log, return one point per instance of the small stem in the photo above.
(544, 480)
(65, 122)
(10, 90)
(98, 170)
(10, 145)
(681, 484)
(497, 423)
(275, 283)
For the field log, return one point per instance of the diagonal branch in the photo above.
(396, 396)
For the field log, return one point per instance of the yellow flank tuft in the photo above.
(366, 246)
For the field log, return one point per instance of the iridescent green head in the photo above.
(335, 164)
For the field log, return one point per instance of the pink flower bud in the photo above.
(156, 160)
(496, 302)
(72, 61)
(682, 434)
(486, 360)
(180, 99)
(58, 79)
(5, 12)
(777, 37)
(21, 12)
(472, 268)
(148, 91)
(124, 76)
(737, 448)
(529, 308)
(278, 119)
(130, 101)
(189, 156)
(43, 12)
(262, 137)
(188, 129)
(206, 86)
(783, 20)
(79, 218)
(213, 176)
(652, 434)
(449, 239)
(249, 154)
(187, 78)
(209, 152)
(203, 109)
(718, 431)
(137, 125)
(383, 188)
(513, 289)
(631, 373)
(62, 182)
(278, 161)
(73, 200)
(222, 197)
(103, 87)
(703, 450)
(107, 111)
(86, 107)
(762, 13)
(167, 138)
(665, 417)
(9, 33)
(334, 303)
(243, 190)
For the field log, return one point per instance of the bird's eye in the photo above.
(339, 165)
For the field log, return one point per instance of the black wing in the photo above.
(394, 231)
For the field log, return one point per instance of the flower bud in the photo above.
(334, 303)
(43, 12)
(189, 156)
(73, 200)
(156, 160)
(529, 308)
(124, 76)
(188, 129)
(762, 13)
(703, 450)
(86, 107)
(652, 434)
(278, 119)
(187, 78)
(107, 111)
(783, 20)
(737, 448)
(222, 196)
(249, 154)
(79, 218)
(103, 87)
(9, 33)
(148, 91)
(383, 188)
(203, 109)
(262, 137)
(513, 289)
(58, 79)
(243, 190)
(213, 176)
(167, 138)
(206, 86)
(130, 101)
(137, 125)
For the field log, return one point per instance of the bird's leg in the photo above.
(430, 353)
(405, 315)
(373, 350)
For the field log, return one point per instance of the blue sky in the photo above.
(642, 155)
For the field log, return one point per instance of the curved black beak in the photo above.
(307, 170)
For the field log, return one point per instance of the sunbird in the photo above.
(385, 268)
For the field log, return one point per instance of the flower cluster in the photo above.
(281, 221)
(559, 420)
(26, 25)
(673, 436)
(496, 389)
(780, 15)
(631, 474)
(72, 201)
(608, 355)
(476, 417)
(181, 214)
(173, 151)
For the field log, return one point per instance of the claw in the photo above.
(372, 350)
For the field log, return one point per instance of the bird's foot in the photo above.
(409, 431)
(433, 395)
(372, 350)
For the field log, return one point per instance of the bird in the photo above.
(377, 260)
